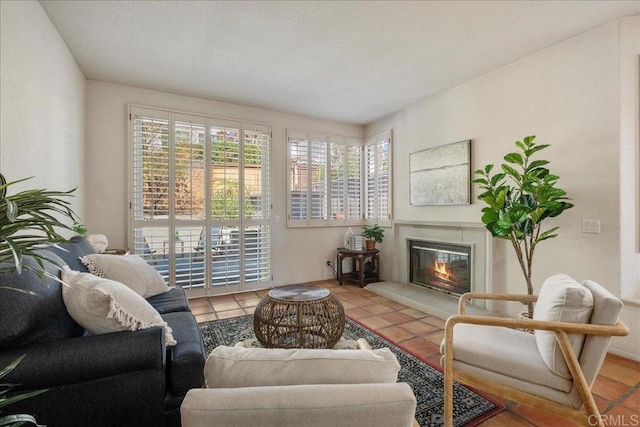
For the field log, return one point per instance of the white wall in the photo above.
(42, 103)
(630, 177)
(298, 255)
(569, 96)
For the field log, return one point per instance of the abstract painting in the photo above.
(441, 175)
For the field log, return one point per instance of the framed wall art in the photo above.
(441, 175)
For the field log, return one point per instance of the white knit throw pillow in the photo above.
(102, 305)
(130, 270)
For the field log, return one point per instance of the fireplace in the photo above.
(444, 267)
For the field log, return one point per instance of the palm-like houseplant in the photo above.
(520, 197)
(28, 219)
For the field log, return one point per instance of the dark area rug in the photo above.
(427, 381)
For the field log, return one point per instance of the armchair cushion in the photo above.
(336, 405)
(504, 351)
(228, 367)
(561, 299)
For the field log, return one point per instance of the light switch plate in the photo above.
(591, 226)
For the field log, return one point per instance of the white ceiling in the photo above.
(341, 60)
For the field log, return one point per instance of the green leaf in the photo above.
(480, 181)
(537, 215)
(489, 216)
(534, 149)
(501, 199)
(527, 200)
(515, 158)
(563, 207)
(512, 172)
(11, 366)
(528, 140)
(549, 234)
(12, 211)
(536, 164)
(497, 178)
(520, 145)
(487, 197)
(3, 186)
(517, 216)
(17, 420)
(488, 169)
(503, 227)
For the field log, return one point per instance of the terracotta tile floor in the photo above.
(616, 390)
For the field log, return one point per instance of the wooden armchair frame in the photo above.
(561, 329)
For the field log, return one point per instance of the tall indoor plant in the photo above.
(520, 197)
(28, 219)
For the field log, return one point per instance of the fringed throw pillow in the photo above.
(102, 305)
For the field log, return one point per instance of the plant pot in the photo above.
(525, 316)
(371, 244)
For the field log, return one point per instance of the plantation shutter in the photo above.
(257, 202)
(345, 156)
(151, 176)
(354, 182)
(318, 178)
(298, 153)
(200, 199)
(338, 178)
(377, 154)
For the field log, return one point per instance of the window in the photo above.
(377, 179)
(200, 201)
(327, 183)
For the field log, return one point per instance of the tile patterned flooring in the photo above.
(616, 390)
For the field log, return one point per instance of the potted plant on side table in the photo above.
(374, 234)
(520, 197)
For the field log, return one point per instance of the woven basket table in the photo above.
(299, 316)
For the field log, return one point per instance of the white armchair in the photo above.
(300, 387)
(552, 369)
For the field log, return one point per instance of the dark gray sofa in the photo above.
(118, 379)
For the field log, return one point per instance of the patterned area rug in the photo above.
(427, 381)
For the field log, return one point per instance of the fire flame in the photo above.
(440, 268)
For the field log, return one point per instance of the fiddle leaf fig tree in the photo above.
(520, 196)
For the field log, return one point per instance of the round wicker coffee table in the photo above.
(299, 316)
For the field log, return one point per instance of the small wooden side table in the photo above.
(358, 263)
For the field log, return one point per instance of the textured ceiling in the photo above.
(341, 60)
